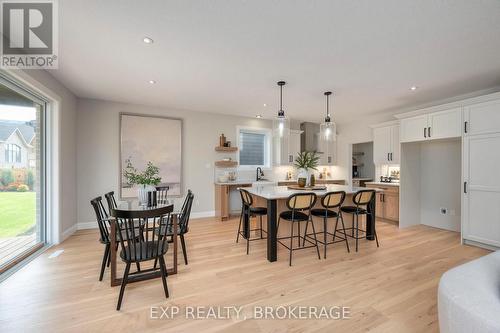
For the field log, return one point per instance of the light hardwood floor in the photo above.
(389, 289)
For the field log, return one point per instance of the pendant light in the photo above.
(281, 124)
(328, 128)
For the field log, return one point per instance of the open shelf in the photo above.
(226, 149)
(226, 164)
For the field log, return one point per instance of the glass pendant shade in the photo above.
(328, 131)
(281, 126)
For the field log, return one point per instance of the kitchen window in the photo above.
(254, 147)
(12, 153)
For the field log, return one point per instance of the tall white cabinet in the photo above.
(481, 187)
(386, 144)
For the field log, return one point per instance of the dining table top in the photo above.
(271, 192)
(135, 206)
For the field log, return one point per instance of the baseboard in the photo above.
(86, 225)
(93, 225)
(68, 232)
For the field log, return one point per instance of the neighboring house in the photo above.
(17, 145)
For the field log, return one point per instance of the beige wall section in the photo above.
(67, 163)
(98, 149)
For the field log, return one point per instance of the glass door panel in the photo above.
(22, 222)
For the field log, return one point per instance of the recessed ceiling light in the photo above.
(152, 81)
(265, 104)
(148, 40)
(258, 116)
(413, 88)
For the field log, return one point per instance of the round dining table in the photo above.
(135, 206)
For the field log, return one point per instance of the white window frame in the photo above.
(267, 148)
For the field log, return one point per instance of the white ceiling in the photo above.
(226, 56)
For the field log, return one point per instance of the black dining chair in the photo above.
(299, 206)
(183, 227)
(331, 203)
(103, 222)
(110, 199)
(361, 199)
(161, 194)
(104, 228)
(151, 243)
(249, 210)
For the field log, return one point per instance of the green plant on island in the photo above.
(307, 160)
(150, 176)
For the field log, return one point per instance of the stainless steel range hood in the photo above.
(309, 139)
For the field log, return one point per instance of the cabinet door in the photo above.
(382, 141)
(395, 146)
(412, 129)
(481, 215)
(294, 146)
(379, 205)
(445, 124)
(483, 118)
(391, 206)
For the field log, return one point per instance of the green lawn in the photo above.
(17, 213)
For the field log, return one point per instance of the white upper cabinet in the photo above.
(482, 118)
(386, 145)
(414, 129)
(445, 124)
(286, 149)
(437, 125)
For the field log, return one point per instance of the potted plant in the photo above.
(147, 180)
(305, 162)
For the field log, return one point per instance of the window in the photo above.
(254, 147)
(12, 153)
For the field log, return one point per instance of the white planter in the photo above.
(303, 173)
(142, 193)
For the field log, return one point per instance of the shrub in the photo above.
(6, 177)
(30, 179)
(11, 187)
(22, 188)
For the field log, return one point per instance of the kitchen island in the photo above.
(274, 198)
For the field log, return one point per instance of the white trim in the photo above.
(93, 224)
(386, 124)
(68, 232)
(268, 153)
(53, 129)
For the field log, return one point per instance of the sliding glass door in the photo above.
(22, 173)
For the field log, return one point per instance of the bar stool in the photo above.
(299, 206)
(248, 210)
(361, 199)
(329, 202)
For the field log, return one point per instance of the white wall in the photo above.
(440, 183)
(46, 84)
(98, 150)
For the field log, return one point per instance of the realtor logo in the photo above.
(29, 34)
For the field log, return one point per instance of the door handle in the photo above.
(425, 132)
(465, 187)
(465, 127)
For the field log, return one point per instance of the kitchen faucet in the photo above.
(260, 173)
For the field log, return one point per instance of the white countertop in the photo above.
(283, 192)
(382, 184)
(245, 182)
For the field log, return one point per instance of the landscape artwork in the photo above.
(146, 138)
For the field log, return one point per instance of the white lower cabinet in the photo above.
(481, 192)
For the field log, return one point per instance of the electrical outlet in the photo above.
(443, 211)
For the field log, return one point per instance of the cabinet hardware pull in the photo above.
(425, 132)
(391, 156)
(465, 187)
(465, 127)
(388, 157)
(429, 132)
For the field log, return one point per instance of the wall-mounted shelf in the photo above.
(226, 149)
(226, 164)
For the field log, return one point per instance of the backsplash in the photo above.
(277, 173)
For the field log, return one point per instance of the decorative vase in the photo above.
(302, 177)
(142, 193)
(312, 180)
